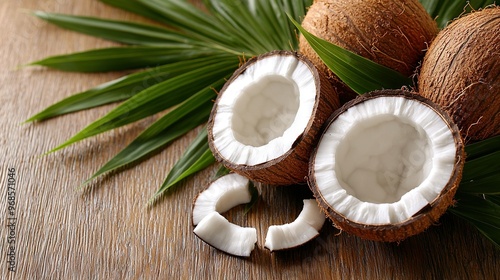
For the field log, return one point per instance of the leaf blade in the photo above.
(481, 167)
(484, 185)
(168, 128)
(482, 148)
(483, 214)
(196, 158)
(157, 98)
(121, 88)
(135, 7)
(360, 74)
(118, 31)
(122, 58)
(444, 11)
(191, 20)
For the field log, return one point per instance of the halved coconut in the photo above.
(266, 119)
(387, 165)
(219, 233)
(221, 195)
(303, 229)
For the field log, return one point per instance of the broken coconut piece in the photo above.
(304, 228)
(387, 165)
(267, 117)
(219, 233)
(221, 195)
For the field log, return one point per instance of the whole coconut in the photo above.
(392, 33)
(461, 72)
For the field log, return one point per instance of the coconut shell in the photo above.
(428, 215)
(291, 167)
(391, 33)
(461, 72)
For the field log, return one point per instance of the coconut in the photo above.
(387, 165)
(391, 33)
(267, 118)
(461, 72)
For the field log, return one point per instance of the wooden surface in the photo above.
(106, 232)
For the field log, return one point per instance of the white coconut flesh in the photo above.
(217, 231)
(264, 110)
(384, 159)
(304, 228)
(223, 194)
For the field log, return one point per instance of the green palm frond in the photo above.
(443, 11)
(184, 60)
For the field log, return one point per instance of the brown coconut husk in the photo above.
(461, 72)
(391, 33)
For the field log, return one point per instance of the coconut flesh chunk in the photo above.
(303, 229)
(218, 232)
(223, 194)
(385, 159)
(266, 118)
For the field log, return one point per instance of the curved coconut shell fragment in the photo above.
(461, 72)
(267, 117)
(387, 165)
(303, 229)
(391, 33)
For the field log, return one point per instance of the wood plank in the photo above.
(106, 232)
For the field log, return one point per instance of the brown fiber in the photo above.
(392, 33)
(461, 72)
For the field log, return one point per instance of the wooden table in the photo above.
(106, 232)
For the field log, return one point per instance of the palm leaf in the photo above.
(478, 179)
(188, 115)
(493, 198)
(443, 11)
(192, 21)
(482, 167)
(482, 148)
(221, 172)
(231, 14)
(122, 88)
(117, 31)
(489, 184)
(483, 214)
(157, 98)
(135, 7)
(196, 157)
(123, 58)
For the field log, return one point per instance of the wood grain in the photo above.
(106, 232)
